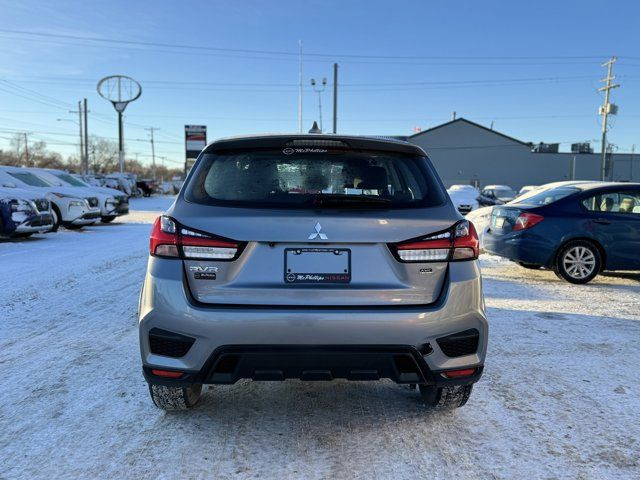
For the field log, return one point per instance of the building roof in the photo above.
(474, 124)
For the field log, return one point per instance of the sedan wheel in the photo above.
(578, 262)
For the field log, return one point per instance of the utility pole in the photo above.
(300, 88)
(153, 152)
(85, 163)
(605, 110)
(82, 148)
(26, 150)
(633, 151)
(335, 98)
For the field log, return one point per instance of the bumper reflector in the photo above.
(167, 373)
(459, 373)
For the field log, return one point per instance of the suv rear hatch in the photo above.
(318, 227)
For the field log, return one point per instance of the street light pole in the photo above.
(335, 98)
(319, 92)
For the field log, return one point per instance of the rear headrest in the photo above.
(374, 178)
(627, 205)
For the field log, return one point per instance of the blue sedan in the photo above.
(577, 230)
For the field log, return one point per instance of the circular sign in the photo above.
(119, 90)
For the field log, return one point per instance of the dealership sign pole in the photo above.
(119, 90)
(195, 139)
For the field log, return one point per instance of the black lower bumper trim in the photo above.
(228, 364)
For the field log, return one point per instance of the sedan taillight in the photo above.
(168, 239)
(457, 243)
(526, 220)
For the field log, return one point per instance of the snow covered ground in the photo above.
(559, 399)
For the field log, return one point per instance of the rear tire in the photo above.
(107, 219)
(446, 398)
(578, 262)
(175, 398)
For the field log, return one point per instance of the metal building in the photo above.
(469, 153)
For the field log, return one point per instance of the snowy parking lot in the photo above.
(560, 397)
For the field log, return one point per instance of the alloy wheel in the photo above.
(579, 262)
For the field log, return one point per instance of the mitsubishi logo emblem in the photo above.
(317, 233)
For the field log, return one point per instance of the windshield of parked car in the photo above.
(29, 179)
(504, 192)
(301, 180)
(70, 179)
(548, 196)
(52, 179)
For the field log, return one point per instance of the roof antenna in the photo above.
(314, 128)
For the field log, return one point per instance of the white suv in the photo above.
(69, 208)
(112, 203)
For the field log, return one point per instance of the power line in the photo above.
(332, 55)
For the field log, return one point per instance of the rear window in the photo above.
(548, 196)
(344, 179)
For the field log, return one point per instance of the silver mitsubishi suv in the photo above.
(312, 257)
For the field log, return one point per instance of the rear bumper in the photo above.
(165, 304)
(521, 246)
(228, 364)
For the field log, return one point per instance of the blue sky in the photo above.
(532, 68)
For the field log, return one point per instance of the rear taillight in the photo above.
(170, 240)
(465, 243)
(457, 243)
(164, 240)
(526, 220)
(429, 249)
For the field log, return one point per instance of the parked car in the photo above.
(112, 203)
(481, 219)
(23, 213)
(464, 197)
(496, 195)
(527, 188)
(147, 186)
(125, 182)
(92, 180)
(370, 272)
(577, 230)
(170, 188)
(547, 186)
(68, 207)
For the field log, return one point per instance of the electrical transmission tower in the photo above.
(605, 110)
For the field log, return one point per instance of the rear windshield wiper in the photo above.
(322, 200)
